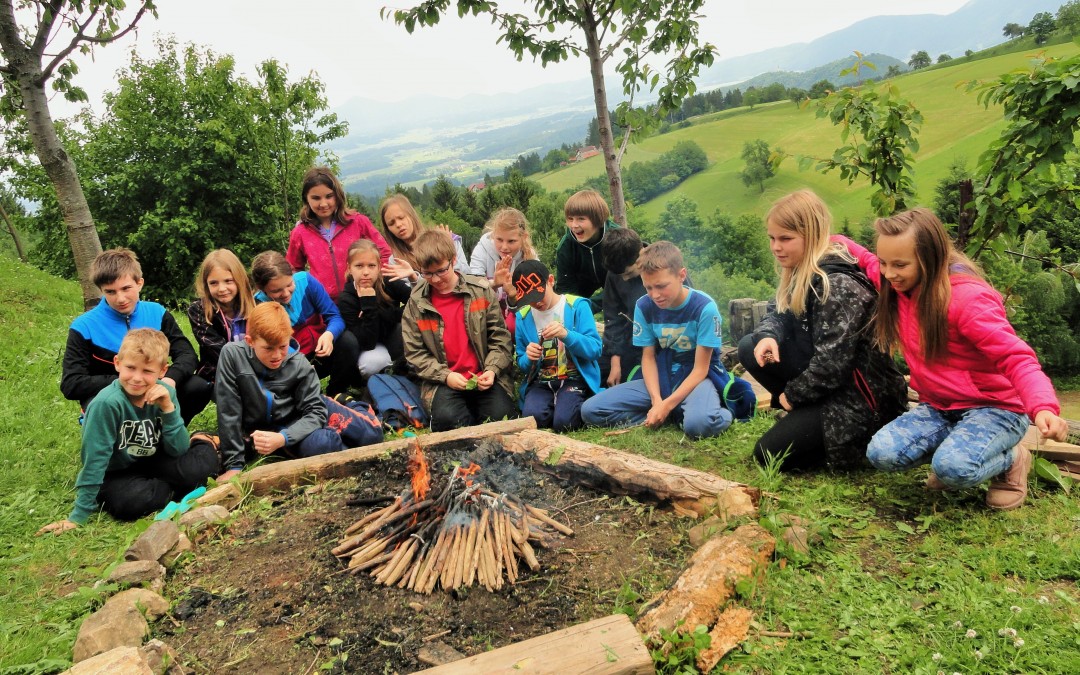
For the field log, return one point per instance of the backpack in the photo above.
(397, 400)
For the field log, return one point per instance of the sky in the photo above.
(355, 53)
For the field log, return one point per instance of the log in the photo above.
(730, 629)
(606, 646)
(154, 542)
(228, 495)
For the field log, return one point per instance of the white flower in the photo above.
(970, 634)
(1001, 632)
(1043, 600)
(958, 624)
(1018, 642)
(936, 656)
(978, 655)
(1015, 609)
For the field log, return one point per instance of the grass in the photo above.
(882, 590)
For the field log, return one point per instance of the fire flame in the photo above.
(467, 471)
(418, 473)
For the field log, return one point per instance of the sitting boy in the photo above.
(456, 341)
(557, 347)
(136, 456)
(678, 329)
(268, 399)
(95, 336)
(579, 263)
(622, 290)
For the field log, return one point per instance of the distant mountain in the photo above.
(976, 25)
(829, 71)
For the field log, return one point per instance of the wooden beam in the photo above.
(1052, 450)
(607, 646)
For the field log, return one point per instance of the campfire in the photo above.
(470, 533)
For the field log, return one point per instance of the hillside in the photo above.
(955, 126)
(830, 71)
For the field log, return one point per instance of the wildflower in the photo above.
(958, 624)
(936, 656)
(971, 634)
(1043, 600)
(1006, 632)
(978, 655)
(1018, 642)
(1015, 609)
(931, 626)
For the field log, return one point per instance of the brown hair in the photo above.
(401, 249)
(622, 248)
(146, 343)
(936, 257)
(509, 218)
(114, 263)
(661, 255)
(367, 246)
(269, 321)
(224, 259)
(588, 203)
(320, 175)
(434, 247)
(267, 266)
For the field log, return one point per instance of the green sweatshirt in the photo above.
(116, 435)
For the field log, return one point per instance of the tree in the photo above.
(821, 89)
(1041, 26)
(1068, 17)
(637, 30)
(893, 71)
(919, 59)
(942, 58)
(759, 164)
(35, 53)
(1013, 30)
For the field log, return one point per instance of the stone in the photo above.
(416, 607)
(112, 626)
(796, 537)
(791, 520)
(197, 519)
(182, 546)
(162, 659)
(701, 533)
(151, 604)
(119, 661)
(154, 542)
(438, 653)
(136, 572)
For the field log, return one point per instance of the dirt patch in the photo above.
(268, 597)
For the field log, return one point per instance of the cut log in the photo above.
(607, 646)
(730, 629)
(228, 495)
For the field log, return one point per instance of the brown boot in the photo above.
(1008, 490)
(934, 484)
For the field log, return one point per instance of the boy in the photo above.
(95, 336)
(135, 449)
(622, 289)
(679, 331)
(558, 348)
(268, 398)
(579, 259)
(456, 340)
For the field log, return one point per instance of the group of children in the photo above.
(407, 300)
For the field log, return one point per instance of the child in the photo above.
(402, 227)
(372, 309)
(456, 341)
(317, 325)
(136, 454)
(979, 384)
(326, 229)
(504, 244)
(814, 353)
(95, 337)
(679, 331)
(579, 257)
(268, 399)
(220, 314)
(557, 348)
(622, 290)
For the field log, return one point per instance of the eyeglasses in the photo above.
(436, 273)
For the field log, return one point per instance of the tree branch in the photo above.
(45, 27)
(81, 36)
(1045, 261)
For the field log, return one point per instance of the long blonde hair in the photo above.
(225, 259)
(509, 218)
(402, 250)
(359, 247)
(804, 213)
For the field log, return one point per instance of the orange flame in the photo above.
(418, 473)
(467, 471)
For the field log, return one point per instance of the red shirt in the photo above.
(460, 356)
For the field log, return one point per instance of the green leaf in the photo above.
(1046, 470)
(904, 527)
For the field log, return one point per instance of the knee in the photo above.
(320, 442)
(707, 424)
(566, 420)
(591, 412)
(885, 453)
(373, 362)
(445, 420)
(152, 495)
(955, 469)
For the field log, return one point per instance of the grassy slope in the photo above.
(955, 126)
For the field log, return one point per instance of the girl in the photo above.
(978, 383)
(219, 315)
(505, 243)
(372, 310)
(327, 226)
(317, 325)
(813, 353)
(402, 226)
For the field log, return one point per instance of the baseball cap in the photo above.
(530, 280)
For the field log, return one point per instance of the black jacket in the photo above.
(374, 322)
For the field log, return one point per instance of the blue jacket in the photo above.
(308, 299)
(582, 341)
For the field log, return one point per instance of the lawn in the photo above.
(898, 581)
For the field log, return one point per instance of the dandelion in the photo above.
(1015, 609)
(936, 656)
(1018, 642)
(978, 655)
(1043, 600)
(971, 634)
(958, 624)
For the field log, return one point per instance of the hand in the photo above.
(227, 476)
(398, 270)
(366, 292)
(1051, 426)
(555, 329)
(266, 442)
(784, 403)
(325, 345)
(444, 228)
(457, 381)
(158, 395)
(169, 381)
(533, 351)
(657, 415)
(502, 273)
(615, 373)
(57, 527)
(485, 380)
(767, 351)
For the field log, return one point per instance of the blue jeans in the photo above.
(702, 413)
(555, 404)
(968, 446)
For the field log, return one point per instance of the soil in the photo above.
(266, 595)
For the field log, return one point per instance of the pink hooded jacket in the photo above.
(328, 261)
(987, 365)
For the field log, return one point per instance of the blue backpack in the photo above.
(397, 400)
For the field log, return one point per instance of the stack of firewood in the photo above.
(467, 534)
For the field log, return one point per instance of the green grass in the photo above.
(955, 126)
(894, 570)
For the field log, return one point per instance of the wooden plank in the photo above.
(1052, 450)
(607, 646)
(284, 475)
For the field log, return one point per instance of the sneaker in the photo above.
(1008, 490)
(934, 484)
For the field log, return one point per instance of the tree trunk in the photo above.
(603, 121)
(14, 234)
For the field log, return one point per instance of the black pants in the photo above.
(799, 433)
(193, 396)
(451, 408)
(341, 365)
(151, 483)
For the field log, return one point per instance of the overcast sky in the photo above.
(355, 53)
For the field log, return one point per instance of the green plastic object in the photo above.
(183, 506)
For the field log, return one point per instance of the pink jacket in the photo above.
(328, 261)
(987, 365)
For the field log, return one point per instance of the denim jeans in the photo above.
(968, 446)
(555, 404)
(702, 413)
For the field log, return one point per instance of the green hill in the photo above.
(955, 125)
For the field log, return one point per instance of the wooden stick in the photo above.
(374, 562)
(520, 532)
(451, 560)
(387, 512)
(380, 574)
(497, 533)
(428, 559)
(530, 557)
(477, 542)
(369, 553)
(537, 513)
(399, 570)
(511, 567)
